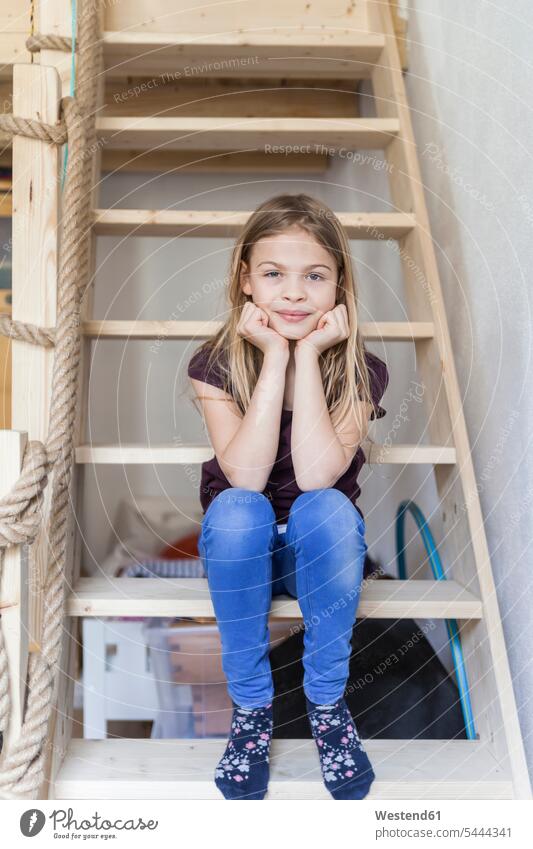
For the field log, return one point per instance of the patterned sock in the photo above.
(345, 766)
(243, 770)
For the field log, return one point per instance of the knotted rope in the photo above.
(22, 765)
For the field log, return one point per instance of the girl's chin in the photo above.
(294, 336)
(291, 331)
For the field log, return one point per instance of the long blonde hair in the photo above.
(343, 366)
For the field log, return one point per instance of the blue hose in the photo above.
(451, 624)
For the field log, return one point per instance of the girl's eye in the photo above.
(312, 274)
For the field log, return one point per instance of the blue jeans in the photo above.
(319, 560)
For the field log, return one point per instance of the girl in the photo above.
(286, 389)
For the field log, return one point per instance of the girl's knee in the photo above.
(237, 508)
(327, 507)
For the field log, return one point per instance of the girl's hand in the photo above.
(253, 325)
(332, 327)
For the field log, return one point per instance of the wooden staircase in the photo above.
(292, 45)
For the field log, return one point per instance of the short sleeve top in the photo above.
(281, 487)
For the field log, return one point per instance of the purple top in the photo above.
(281, 486)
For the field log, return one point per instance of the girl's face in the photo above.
(293, 279)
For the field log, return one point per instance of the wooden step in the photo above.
(340, 53)
(381, 599)
(381, 331)
(227, 224)
(270, 135)
(184, 769)
(180, 454)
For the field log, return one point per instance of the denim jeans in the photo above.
(318, 559)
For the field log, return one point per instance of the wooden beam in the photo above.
(388, 599)
(36, 182)
(210, 161)
(270, 135)
(329, 18)
(381, 331)
(211, 98)
(348, 54)
(168, 453)
(15, 26)
(14, 592)
(183, 769)
(400, 31)
(226, 224)
(5, 364)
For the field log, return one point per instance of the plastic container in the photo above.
(185, 659)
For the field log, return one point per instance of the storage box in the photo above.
(186, 661)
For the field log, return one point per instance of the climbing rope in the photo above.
(22, 765)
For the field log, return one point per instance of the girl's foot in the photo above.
(345, 766)
(243, 770)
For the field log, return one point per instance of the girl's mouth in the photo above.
(293, 316)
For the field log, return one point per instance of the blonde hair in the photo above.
(343, 366)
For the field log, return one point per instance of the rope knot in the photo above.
(19, 509)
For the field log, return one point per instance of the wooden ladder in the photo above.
(360, 46)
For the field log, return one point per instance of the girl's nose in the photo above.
(294, 285)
